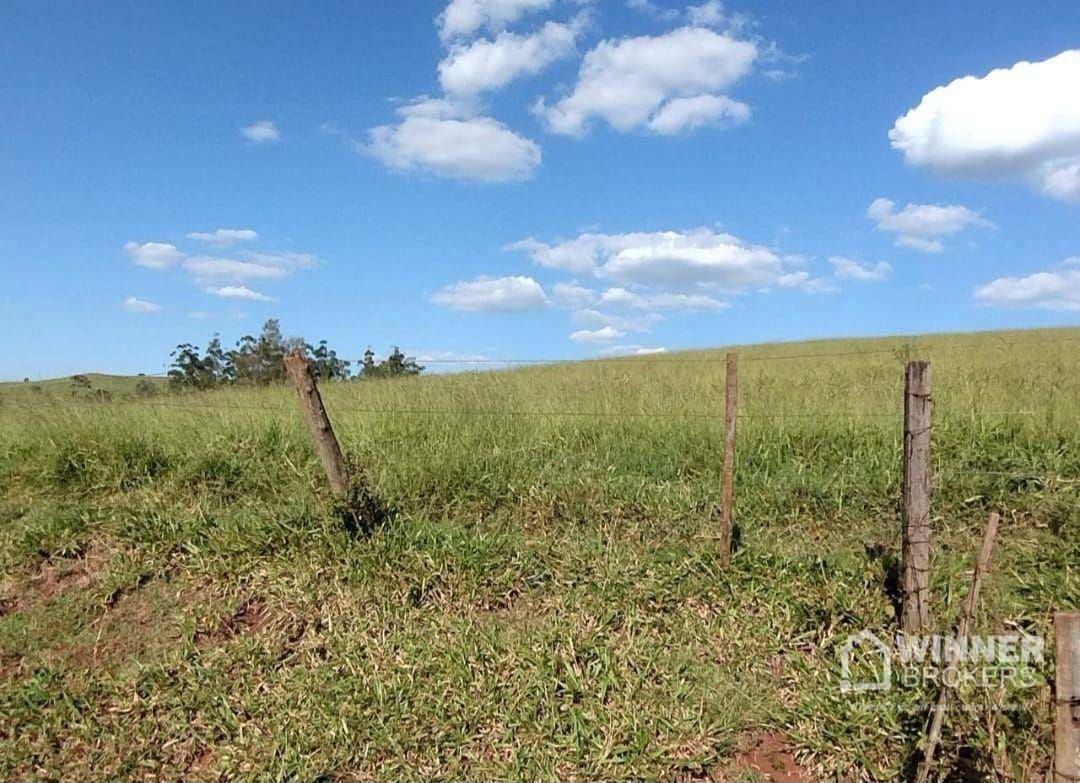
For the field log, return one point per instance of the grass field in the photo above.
(544, 600)
(110, 385)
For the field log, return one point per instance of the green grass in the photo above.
(545, 599)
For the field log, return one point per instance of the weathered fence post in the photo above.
(731, 403)
(312, 405)
(1067, 696)
(915, 554)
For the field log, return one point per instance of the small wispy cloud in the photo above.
(261, 132)
(224, 237)
(153, 255)
(141, 306)
(238, 292)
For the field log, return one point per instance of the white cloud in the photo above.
(465, 17)
(260, 132)
(251, 265)
(286, 259)
(1072, 261)
(923, 226)
(438, 137)
(224, 237)
(631, 350)
(1022, 121)
(626, 82)
(852, 270)
(806, 282)
(493, 295)
(708, 14)
(204, 268)
(604, 335)
(680, 114)
(488, 65)
(200, 315)
(446, 357)
(621, 297)
(623, 323)
(571, 295)
(141, 306)
(154, 255)
(238, 292)
(1043, 290)
(663, 258)
(1061, 179)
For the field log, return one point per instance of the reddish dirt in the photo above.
(768, 755)
(249, 617)
(135, 625)
(51, 580)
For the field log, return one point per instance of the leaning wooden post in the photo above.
(731, 403)
(1067, 696)
(915, 554)
(312, 405)
(963, 631)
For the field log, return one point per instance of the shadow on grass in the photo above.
(890, 563)
(361, 511)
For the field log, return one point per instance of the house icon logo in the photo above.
(865, 646)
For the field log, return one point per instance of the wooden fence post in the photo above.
(312, 405)
(915, 554)
(1067, 696)
(731, 403)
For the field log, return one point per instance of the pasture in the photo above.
(544, 597)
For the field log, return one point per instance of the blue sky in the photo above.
(578, 178)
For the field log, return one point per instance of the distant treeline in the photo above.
(259, 361)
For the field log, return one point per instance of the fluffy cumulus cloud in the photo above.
(649, 276)
(513, 294)
(1022, 121)
(924, 226)
(238, 292)
(441, 138)
(141, 306)
(154, 255)
(464, 17)
(664, 258)
(848, 269)
(1056, 290)
(631, 83)
(605, 334)
(680, 114)
(490, 64)
(260, 132)
(224, 277)
(224, 237)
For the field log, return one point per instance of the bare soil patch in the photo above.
(768, 755)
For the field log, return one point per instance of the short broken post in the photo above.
(311, 404)
(1067, 696)
(915, 552)
(731, 402)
